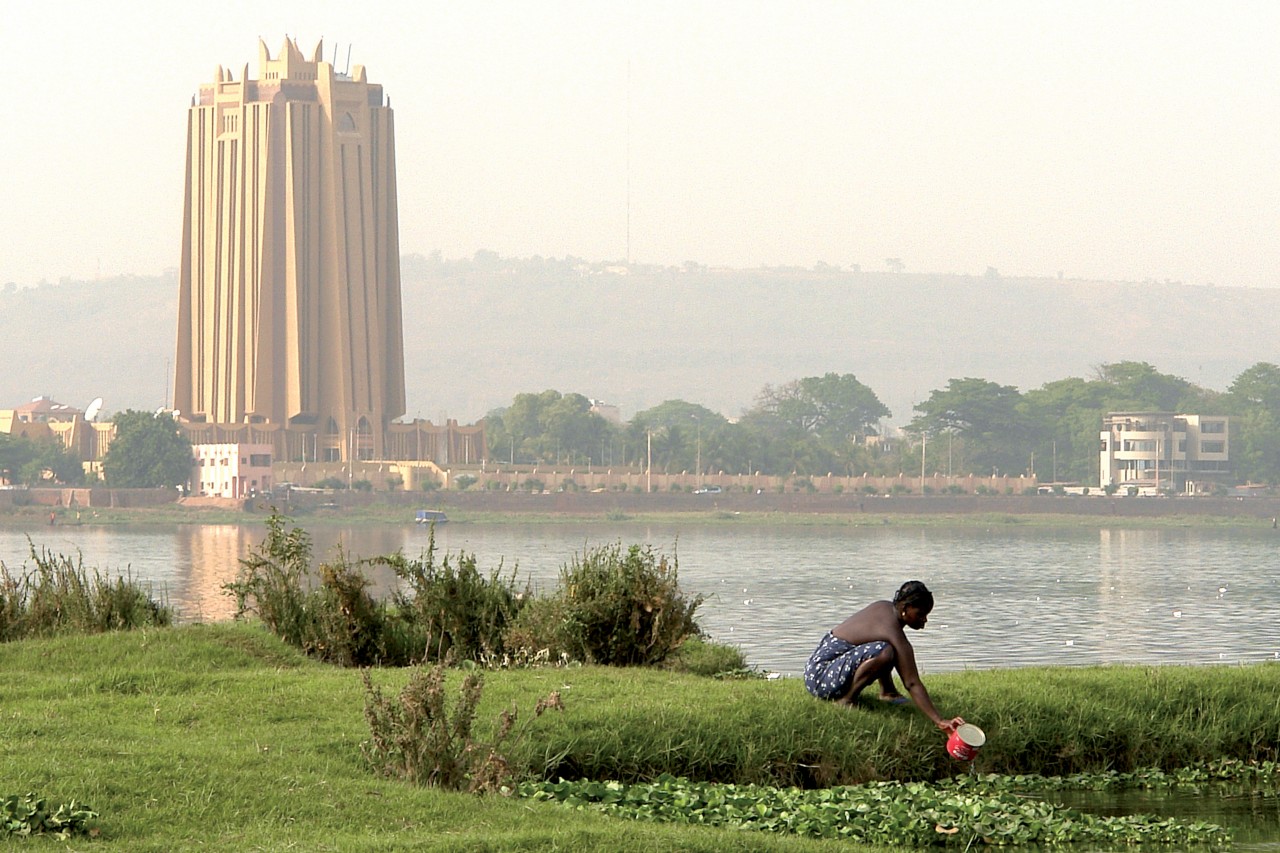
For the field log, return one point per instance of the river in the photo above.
(1007, 596)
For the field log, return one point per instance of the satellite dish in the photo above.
(92, 412)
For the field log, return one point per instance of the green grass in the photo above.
(221, 737)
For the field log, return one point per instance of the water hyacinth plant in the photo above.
(913, 814)
(21, 816)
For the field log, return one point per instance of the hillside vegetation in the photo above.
(480, 331)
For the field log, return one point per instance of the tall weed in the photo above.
(61, 596)
(272, 581)
(418, 739)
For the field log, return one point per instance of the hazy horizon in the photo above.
(1100, 142)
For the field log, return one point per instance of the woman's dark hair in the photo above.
(914, 594)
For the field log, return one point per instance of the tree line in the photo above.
(811, 426)
(832, 424)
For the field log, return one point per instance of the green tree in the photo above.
(1136, 385)
(1254, 401)
(836, 407)
(1257, 387)
(1066, 417)
(684, 436)
(548, 427)
(813, 425)
(148, 450)
(32, 462)
(987, 420)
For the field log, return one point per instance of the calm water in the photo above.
(1005, 596)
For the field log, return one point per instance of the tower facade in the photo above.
(289, 304)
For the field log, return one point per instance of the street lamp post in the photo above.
(698, 462)
(648, 470)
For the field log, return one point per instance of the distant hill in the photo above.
(480, 331)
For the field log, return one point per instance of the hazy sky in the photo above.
(1114, 141)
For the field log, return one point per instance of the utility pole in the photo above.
(648, 470)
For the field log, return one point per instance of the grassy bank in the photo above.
(220, 737)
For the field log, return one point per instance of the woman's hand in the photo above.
(951, 725)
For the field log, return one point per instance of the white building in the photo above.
(231, 470)
(1162, 451)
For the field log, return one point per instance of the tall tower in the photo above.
(289, 303)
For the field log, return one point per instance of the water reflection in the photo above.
(1006, 596)
(1252, 817)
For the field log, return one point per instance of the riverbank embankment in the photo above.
(112, 506)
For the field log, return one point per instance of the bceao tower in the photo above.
(289, 305)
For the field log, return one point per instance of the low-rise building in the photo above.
(231, 470)
(1164, 451)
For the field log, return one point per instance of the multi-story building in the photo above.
(289, 303)
(1163, 451)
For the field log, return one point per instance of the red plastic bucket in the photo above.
(965, 741)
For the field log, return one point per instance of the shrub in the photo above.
(870, 490)
(331, 483)
(429, 485)
(698, 656)
(349, 626)
(540, 627)
(624, 609)
(417, 739)
(451, 607)
(534, 485)
(464, 482)
(336, 620)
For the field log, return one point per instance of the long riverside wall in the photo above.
(627, 503)
(99, 498)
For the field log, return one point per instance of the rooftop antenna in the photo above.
(347, 70)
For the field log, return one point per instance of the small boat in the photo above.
(431, 516)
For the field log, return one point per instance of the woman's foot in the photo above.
(894, 698)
